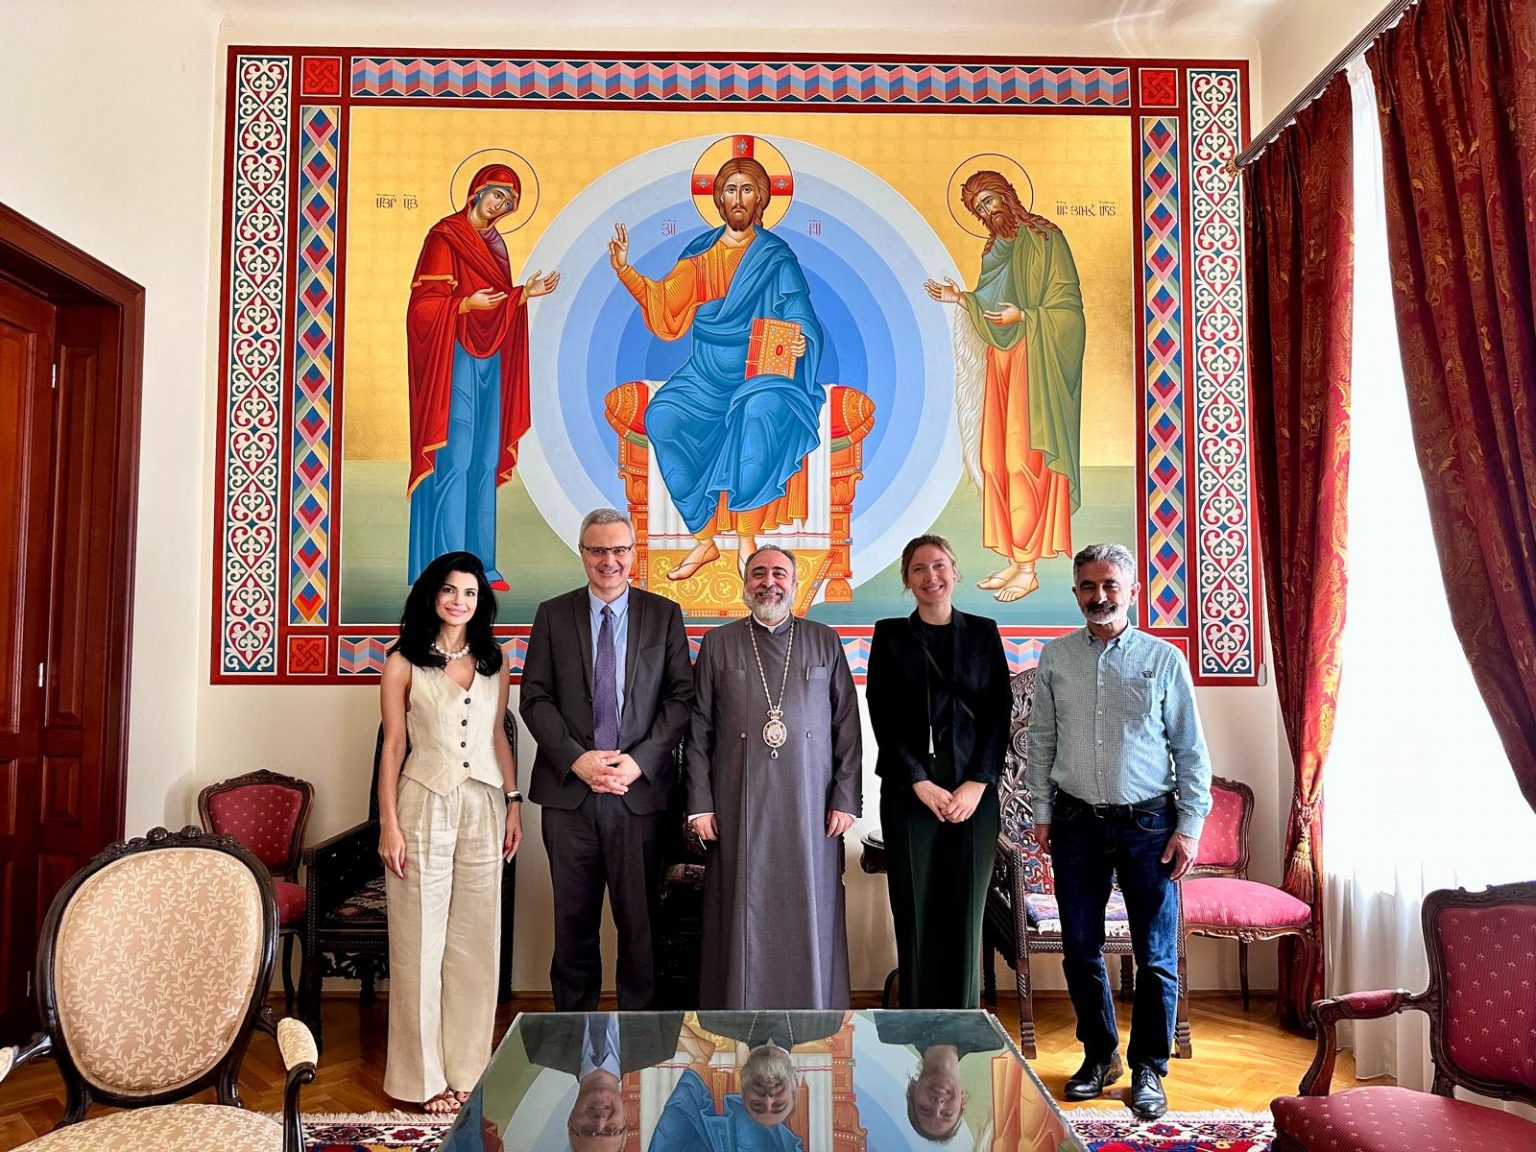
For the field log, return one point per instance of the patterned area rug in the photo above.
(1175, 1132)
(373, 1131)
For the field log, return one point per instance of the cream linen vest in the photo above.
(450, 730)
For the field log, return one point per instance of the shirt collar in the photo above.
(776, 629)
(620, 604)
(1123, 639)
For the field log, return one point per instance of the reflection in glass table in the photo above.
(772, 1081)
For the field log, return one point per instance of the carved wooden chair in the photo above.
(1481, 1003)
(267, 813)
(346, 928)
(678, 929)
(1220, 900)
(1021, 918)
(152, 973)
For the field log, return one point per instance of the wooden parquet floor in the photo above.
(1241, 1060)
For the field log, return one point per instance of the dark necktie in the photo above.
(605, 689)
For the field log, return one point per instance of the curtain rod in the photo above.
(1385, 19)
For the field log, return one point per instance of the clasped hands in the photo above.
(950, 807)
(607, 771)
(708, 828)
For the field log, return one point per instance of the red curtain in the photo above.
(1456, 84)
(1300, 224)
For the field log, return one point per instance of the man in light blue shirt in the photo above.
(1120, 783)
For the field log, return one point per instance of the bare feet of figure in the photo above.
(1011, 583)
(745, 546)
(702, 554)
(445, 1103)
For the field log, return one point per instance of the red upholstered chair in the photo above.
(267, 813)
(1481, 1003)
(1220, 900)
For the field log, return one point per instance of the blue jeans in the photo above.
(1089, 847)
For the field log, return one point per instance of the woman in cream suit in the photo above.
(449, 814)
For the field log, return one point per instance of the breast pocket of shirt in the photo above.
(1140, 695)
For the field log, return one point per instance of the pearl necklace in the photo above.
(464, 651)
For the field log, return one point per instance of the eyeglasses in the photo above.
(618, 551)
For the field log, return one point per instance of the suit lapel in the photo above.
(581, 611)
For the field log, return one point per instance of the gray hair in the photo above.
(1117, 554)
(604, 516)
(768, 1068)
(785, 552)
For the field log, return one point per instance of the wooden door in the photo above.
(27, 329)
(60, 789)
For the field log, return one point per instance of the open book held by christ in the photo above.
(769, 352)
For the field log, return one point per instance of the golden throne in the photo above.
(822, 542)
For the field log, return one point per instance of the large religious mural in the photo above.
(824, 304)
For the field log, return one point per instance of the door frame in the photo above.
(37, 261)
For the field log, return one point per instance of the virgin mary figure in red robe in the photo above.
(466, 331)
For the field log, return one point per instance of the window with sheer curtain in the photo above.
(1419, 794)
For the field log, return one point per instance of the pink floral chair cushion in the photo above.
(1225, 902)
(1221, 841)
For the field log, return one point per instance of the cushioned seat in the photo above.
(364, 907)
(291, 902)
(267, 812)
(1219, 899)
(1045, 915)
(169, 1128)
(1228, 902)
(152, 972)
(1481, 1002)
(1398, 1119)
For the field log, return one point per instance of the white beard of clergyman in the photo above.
(766, 610)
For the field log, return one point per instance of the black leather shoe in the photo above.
(1092, 1078)
(1148, 1100)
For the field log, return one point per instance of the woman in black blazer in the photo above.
(939, 702)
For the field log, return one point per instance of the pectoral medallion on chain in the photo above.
(774, 732)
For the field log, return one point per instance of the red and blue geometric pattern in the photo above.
(1226, 624)
(363, 654)
(1163, 293)
(739, 82)
(309, 538)
(254, 339)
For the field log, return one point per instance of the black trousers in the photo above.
(602, 845)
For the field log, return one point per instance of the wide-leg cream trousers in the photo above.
(444, 932)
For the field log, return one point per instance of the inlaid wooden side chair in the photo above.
(1021, 918)
(267, 812)
(1219, 899)
(1481, 1003)
(152, 973)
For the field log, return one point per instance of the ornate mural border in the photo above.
(276, 550)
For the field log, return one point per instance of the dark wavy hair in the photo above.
(419, 623)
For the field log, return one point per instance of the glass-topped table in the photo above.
(779, 1081)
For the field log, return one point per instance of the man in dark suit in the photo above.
(607, 689)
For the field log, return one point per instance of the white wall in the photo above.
(112, 136)
(106, 135)
(1299, 40)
